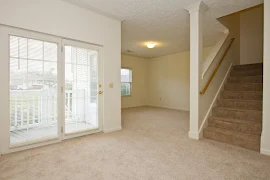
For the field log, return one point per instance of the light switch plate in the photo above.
(111, 85)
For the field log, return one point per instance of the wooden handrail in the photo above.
(216, 69)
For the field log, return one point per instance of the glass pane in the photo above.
(14, 47)
(125, 89)
(50, 51)
(81, 99)
(126, 75)
(35, 49)
(33, 91)
(23, 47)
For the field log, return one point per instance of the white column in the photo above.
(196, 12)
(265, 140)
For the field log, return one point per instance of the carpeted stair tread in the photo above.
(240, 104)
(249, 141)
(246, 72)
(252, 127)
(248, 66)
(242, 95)
(244, 114)
(246, 79)
(243, 86)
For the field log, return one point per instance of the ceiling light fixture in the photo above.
(150, 45)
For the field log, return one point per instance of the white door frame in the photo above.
(5, 33)
(67, 42)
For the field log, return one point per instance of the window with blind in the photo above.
(126, 81)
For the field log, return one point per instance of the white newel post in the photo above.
(196, 12)
(265, 140)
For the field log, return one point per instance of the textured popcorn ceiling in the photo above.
(163, 21)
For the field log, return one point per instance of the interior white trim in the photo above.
(194, 135)
(31, 146)
(209, 112)
(90, 8)
(168, 107)
(133, 106)
(263, 149)
(112, 129)
(265, 152)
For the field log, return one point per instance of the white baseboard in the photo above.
(167, 107)
(133, 106)
(265, 152)
(112, 129)
(265, 148)
(205, 120)
(194, 135)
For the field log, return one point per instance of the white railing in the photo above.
(32, 108)
(70, 107)
(25, 108)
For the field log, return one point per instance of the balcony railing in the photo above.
(38, 108)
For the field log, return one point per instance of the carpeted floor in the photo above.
(153, 145)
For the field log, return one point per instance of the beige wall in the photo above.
(161, 81)
(251, 36)
(247, 28)
(168, 80)
(207, 51)
(232, 22)
(139, 81)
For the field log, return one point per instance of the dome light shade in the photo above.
(151, 45)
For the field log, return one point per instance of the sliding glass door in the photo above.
(82, 87)
(33, 90)
(53, 88)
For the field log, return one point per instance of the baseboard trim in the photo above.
(112, 129)
(166, 107)
(133, 106)
(265, 152)
(205, 120)
(194, 135)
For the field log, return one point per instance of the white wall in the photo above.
(265, 142)
(251, 36)
(139, 92)
(59, 18)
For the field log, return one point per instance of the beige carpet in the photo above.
(152, 146)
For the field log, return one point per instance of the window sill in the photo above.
(126, 96)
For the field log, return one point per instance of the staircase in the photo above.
(237, 118)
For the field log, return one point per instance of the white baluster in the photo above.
(68, 98)
(28, 119)
(22, 120)
(33, 109)
(15, 109)
(55, 106)
(40, 109)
